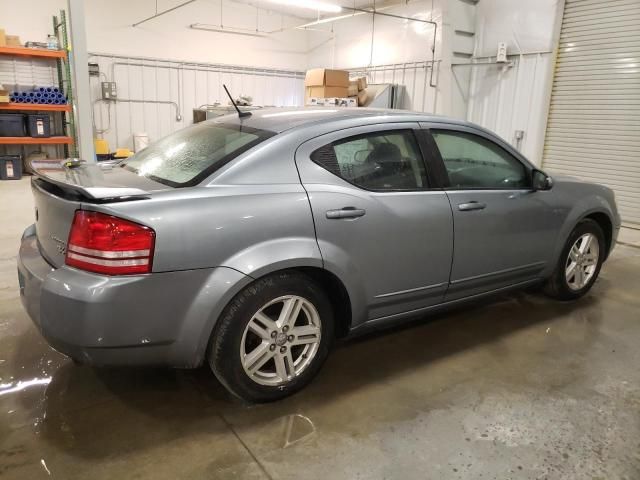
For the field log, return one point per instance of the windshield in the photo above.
(187, 156)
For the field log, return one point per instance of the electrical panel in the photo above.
(94, 69)
(109, 91)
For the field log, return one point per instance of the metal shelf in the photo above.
(63, 113)
(35, 107)
(35, 141)
(33, 52)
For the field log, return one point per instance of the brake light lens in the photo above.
(110, 245)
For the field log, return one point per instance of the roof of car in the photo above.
(281, 119)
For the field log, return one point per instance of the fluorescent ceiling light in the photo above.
(354, 13)
(311, 4)
(329, 19)
(231, 30)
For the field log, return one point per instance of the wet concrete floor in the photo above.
(520, 387)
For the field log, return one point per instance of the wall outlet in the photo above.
(518, 137)
(501, 56)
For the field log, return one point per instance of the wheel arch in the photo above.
(605, 223)
(331, 284)
(585, 211)
(334, 288)
(338, 296)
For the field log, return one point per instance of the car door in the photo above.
(380, 227)
(504, 230)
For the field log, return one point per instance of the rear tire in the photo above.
(579, 263)
(272, 338)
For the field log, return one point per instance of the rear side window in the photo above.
(376, 161)
(188, 156)
(474, 162)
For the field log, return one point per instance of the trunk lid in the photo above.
(61, 188)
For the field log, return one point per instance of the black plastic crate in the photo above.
(12, 125)
(10, 167)
(38, 126)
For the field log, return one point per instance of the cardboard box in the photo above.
(3, 38)
(353, 88)
(13, 41)
(348, 102)
(340, 102)
(362, 83)
(314, 102)
(363, 96)
(4, 95)
(319, 77)
(326, 92)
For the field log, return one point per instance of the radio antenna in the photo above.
(240, 113)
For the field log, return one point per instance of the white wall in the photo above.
(387, 49)
(524, 25)
(507, 99)
(400, 51)
(187, 85)
(504, 100)
(109, 30)
(459, 34)
(282, 55)
(394, 40)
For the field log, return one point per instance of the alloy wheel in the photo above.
(281, 340)
(582, 261)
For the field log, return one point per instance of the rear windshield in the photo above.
(187, 156)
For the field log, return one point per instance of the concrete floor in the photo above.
(520, 387)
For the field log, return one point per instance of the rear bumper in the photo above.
(156, 319)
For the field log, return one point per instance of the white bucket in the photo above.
(140, 141)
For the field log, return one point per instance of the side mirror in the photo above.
(541, 181)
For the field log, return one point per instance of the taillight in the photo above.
(106, 244)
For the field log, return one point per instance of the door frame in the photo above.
(438, 163)
(458, 285)
(360, 302)
(433, 183)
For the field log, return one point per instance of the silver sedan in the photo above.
(251, 243)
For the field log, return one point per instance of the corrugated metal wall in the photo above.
(181, 87)
(508, 99)
(594, 120)
(184, 86)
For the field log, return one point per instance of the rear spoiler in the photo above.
(86, 179)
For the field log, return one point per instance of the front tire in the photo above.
(273, 337)
(579, 263)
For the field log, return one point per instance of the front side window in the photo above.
(376, 161)
(189, 155)
(473, 161)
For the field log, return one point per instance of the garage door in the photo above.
(594, 120)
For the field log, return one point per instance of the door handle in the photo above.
(346, 212)
(473, 205)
